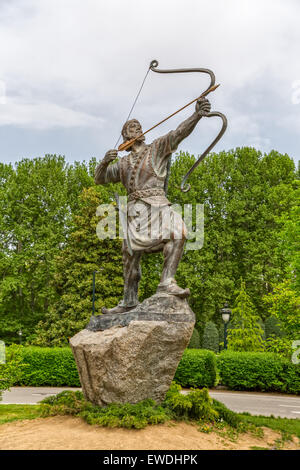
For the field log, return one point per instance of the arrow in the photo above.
(126, 145)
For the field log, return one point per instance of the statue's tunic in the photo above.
(151, 218)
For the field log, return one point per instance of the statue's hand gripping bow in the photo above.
(186, 187)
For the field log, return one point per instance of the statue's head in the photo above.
(132, 129)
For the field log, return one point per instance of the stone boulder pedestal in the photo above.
(126, 358)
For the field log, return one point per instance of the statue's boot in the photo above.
(117, 309)
(173, 289)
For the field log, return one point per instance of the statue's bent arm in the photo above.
(106, 173)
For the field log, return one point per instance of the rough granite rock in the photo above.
(127, 364)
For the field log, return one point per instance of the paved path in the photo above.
(260, 403)
(286, 406)
(30, 395)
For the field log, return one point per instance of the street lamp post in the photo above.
(94, 289)
(20, 336)
(225, 312)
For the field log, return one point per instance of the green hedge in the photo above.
(49, 366)
(197, 368)
(56, 367)
(258, 371)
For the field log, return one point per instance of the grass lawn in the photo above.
(17, 412)
(285, 425)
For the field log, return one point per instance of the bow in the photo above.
(185, 186)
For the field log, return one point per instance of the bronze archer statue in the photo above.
(143, 172)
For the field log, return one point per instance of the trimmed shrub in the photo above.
(210, 338)
(125, 415)
(49, 366)
(195, 340)
(12, 369)
(197, 368)
(272, 327)
(258, 371)
(195, 406)
(56, 367)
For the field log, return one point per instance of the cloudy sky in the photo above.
(70, 70)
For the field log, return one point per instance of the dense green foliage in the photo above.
(273, 328)
(195, 340)
(284, 304)
(49, 249)
(281, 346)
(246, 333)
(84, 254)
(237, 422)
(245, 194)
(210, 339)
(114, 415)
(258, 371)
(263, 328)
(196, 406)
(290, 237)
(37, 200)
(225, 414)
(48, 366)
(12, 369)
(56, 367)
(197, 368)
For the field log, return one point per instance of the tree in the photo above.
(249, 205)
(273, 328)
(290, 240)
(246, 332)
(37, 200)
(283, 303)
(244, 194)
(195, 340)
(72, 282)
(210, 338)
(11, 370)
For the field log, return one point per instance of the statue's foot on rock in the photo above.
(174, 289)
(117, 309)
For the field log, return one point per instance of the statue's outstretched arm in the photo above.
(186, 127)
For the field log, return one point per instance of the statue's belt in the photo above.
(141, 193)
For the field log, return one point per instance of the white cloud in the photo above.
(74, 63)
(44, 115)
(291, 122)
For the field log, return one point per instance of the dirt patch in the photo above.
(65, 432)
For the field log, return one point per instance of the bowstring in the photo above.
(134, 103)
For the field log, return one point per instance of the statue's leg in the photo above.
(132, 275)
(173, 251)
